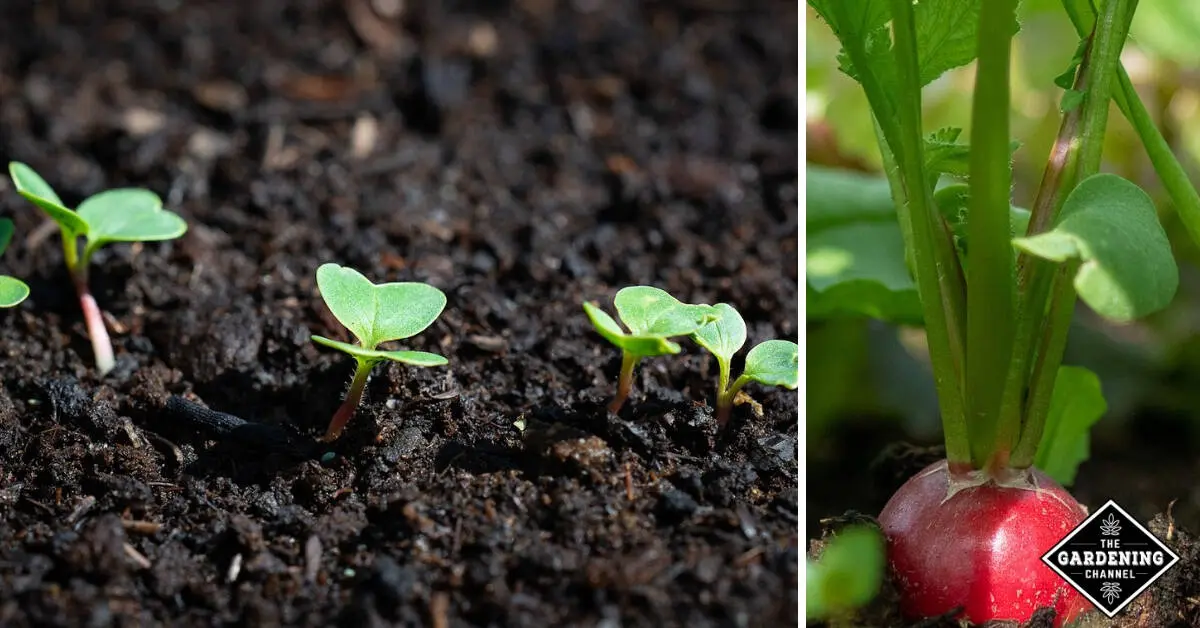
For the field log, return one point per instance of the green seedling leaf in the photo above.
(1110, 228)
(1075, 406)
(651, 312)
(415, 358)
(847, 575)
(12, 290)
(128, 215)
(774, 363)
(637, 345)
(378, 313)
(652, 316)
(34, 188)
(724, 336)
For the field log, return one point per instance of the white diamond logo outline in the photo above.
(1174, 558)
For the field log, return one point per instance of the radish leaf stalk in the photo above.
(118, 215)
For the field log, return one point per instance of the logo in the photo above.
(1110, 558)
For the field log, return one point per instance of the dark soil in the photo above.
(522, 157)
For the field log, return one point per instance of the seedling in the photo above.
(118, 215)
(375, 314)
(770, 363)
(12, 290)
(652, 317)
(996, 308)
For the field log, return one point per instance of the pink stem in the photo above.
(101, 344)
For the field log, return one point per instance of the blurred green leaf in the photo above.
(1077, 403)
(847, 575)
(859, 269)
(1168, 28)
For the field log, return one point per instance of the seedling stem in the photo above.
(345, 412)
(625, 384)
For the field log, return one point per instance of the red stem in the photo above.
(353, 397)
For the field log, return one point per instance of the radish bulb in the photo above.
(978, 542)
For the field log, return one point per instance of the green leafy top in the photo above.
(652, 316)
(12, 290)
(378, 313)
(118, 215)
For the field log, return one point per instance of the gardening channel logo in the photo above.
(1110, 558)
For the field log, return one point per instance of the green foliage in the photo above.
(652, 317)
(854, 252)
(12, 290)
(1109, 227)
(848, 574)
(1076, 405)
(119, 215)
(945, 36)
(378, 313)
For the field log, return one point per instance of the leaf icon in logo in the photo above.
(1110, 526)
(1110, 591)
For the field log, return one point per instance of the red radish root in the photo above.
(978, 544)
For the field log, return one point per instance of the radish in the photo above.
(978, 545)
(998, 289)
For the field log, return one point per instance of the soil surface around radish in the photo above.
(523, 157)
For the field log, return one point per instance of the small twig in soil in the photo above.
(141, 527)
(628, 483)
(1171, 521)
(138, 559)
(439, 604)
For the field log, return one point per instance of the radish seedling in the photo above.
(770, 363)
(969, 531)
(375, 314)
(12, 290)
(118, 215)
(652, 317)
